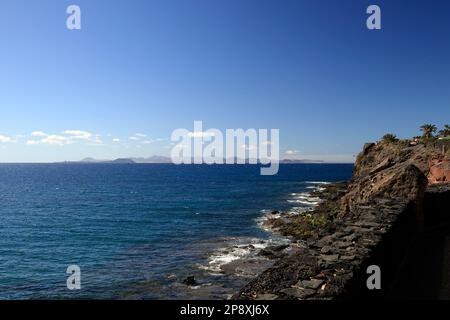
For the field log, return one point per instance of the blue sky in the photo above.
(144, 68)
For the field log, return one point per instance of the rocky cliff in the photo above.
(396, 169)
(396, 190)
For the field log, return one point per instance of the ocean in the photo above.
(137, 231)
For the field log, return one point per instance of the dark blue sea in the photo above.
(137, 231)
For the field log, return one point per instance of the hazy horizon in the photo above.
(95, 160)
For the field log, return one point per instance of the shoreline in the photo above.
(247, 257)
(242, 259)
(301, 226)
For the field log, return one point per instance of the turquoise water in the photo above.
(132, 229)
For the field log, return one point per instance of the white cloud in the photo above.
(83, 135)
(67, 137)
(116, 140)
(292, 152)
(38, 134)
(147, 141)
(56, 140)
(138, 137)
(5, 139)
(78, 134)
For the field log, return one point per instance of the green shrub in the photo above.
(389, 138)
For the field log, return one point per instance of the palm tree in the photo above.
(445, 132)
(428, 130)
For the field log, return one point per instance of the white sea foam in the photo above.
(262, 220)
(235, 249)
(307, 197)
(315, 188)
(300, 210)
(246, 248)
(305, 202)
(317, 182)
(304, 198)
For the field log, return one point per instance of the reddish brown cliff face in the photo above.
(396, 169)
(439, 170)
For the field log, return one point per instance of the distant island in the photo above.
(163, 159)
(152, 159)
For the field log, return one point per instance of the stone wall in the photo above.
(335, 265)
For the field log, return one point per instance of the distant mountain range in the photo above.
(152, 159)
(162, 159)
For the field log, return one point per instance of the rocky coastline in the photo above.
(397, 190)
